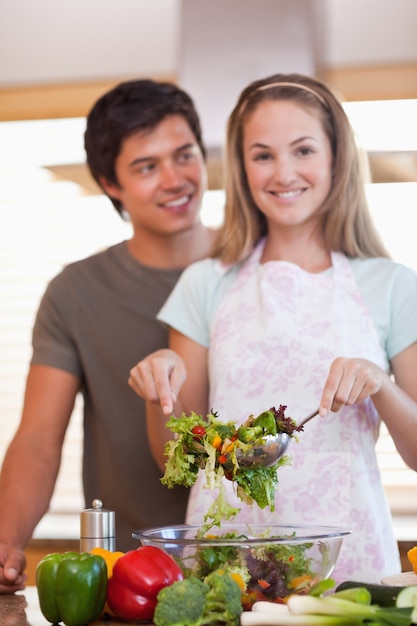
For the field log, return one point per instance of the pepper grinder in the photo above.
(97, 528)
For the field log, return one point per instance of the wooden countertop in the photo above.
(22, 609)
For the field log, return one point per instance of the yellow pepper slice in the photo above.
(299, 580)
(217, 442)
(235, 576)
(227, 446)
(412, 557)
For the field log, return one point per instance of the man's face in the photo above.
(161, 177)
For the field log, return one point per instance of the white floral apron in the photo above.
(273, 339)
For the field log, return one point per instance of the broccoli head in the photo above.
(223, 600)
(181, 604)
(250, 433)
(223, 429)
(192, 602)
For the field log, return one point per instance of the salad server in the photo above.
(274, 447)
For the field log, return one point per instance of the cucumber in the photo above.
(383, 595)
(406, 598)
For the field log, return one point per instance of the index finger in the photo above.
(163, 377)
(331, 386)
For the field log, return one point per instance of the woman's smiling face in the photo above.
(288, 162)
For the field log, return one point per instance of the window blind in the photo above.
(45, 224)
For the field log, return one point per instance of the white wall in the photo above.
(370, 32)
(50, 40)
(46, 41)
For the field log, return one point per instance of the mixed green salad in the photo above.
(210, 444)
(263, 571)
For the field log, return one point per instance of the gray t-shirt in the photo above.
(96, 320)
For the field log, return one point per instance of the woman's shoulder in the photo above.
(209, 273)
(382, 268)
(389, 290)
(384, 280)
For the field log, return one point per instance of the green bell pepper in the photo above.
(72, 587)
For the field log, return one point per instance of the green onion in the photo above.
(323, 585)
(331, 605)
(272, 617)
(360, 595)
(332, 610)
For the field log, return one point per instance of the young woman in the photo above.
(302, 307)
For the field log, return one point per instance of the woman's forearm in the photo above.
(396, 403)
(399, 412)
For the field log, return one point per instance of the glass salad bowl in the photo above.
(269, 562)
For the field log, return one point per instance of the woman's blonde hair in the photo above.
(347, 223)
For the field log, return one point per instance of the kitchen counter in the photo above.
(22, 609)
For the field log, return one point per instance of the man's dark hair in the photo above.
(128, 108)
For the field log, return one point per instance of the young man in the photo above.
(98, 318)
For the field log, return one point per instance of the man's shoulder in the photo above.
(81, 273)
(98, 259)
(112, 273)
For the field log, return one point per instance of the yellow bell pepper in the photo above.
(110, 559)
(412, 557)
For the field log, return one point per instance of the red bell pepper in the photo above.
(138, 576)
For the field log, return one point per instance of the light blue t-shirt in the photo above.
(389, 290)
